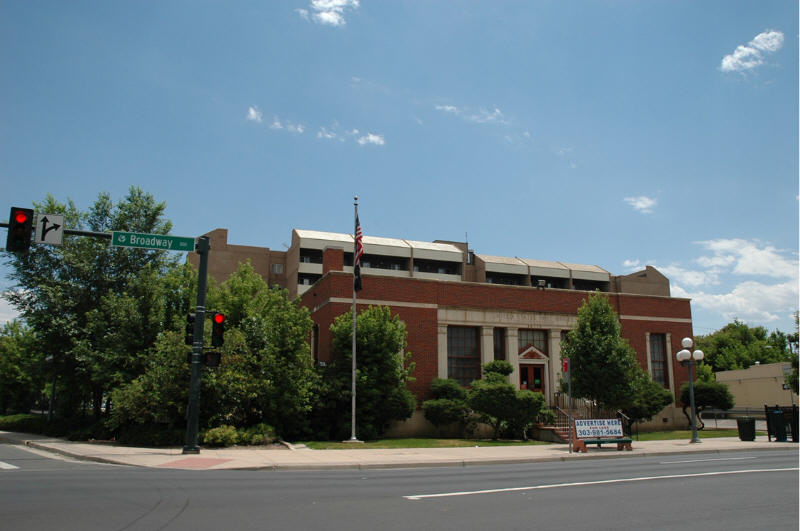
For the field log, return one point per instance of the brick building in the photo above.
(463, 309)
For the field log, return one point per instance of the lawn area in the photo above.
(463, 443)
(413, 443)
(687, 434)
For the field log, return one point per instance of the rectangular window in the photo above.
(499, 343)
(658, 358)
(537, 338)
(277, 269)
(463, 354)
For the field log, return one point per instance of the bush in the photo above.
(151, 435)
(448, 388)
(259, 434)
(223, 436)
(443, 411)
(547, 417)
(24, 422)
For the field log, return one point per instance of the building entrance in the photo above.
(531, 376)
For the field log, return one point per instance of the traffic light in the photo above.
(213, 358)
(217, 329)
(20, 230)
(189, 339)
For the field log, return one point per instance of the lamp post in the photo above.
(690, 359)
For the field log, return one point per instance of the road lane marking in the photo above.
(599, 482)
(703, 460)
(6, 466)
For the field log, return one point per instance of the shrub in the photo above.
(222, 436)
(257, 435)
(448, 388)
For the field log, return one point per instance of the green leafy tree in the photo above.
(707, 395)
(21, 368)
(500, 405)
(449, 403)
(269, 375)
(738, 346)
(383, 371)
(58, 287)
(265, 376)
(648, 398)
(603, 366)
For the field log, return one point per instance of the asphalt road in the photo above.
(742, 490)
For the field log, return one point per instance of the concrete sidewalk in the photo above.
(288, 457)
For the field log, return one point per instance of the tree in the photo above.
(266, 373)
(648, 398)
(448, 405)
(739, 346)
(269, 375)
(383, 371)
(21, 368)
(58, 287)
(602, 364)
(502, 406)
(707, 395)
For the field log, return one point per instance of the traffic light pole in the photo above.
(193, 411)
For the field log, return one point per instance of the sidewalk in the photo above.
(290, 457)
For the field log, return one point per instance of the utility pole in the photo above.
(193, 411)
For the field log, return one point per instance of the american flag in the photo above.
(359, 243)
(358, 252)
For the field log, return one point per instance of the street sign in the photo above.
(49, 228)
(152, 241)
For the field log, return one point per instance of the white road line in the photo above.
(703, 460)
(601, 482)
(6, 466)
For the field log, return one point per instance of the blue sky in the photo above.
(616, 133)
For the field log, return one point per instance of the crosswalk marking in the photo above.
(6, 466)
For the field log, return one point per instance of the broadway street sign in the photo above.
(152, 241)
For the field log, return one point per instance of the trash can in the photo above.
(777, 425)
(747, 428)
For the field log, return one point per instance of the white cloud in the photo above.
(748, 258)
(452, 109)
(751, 55)
(295, 128)
(642, 203)
(324, 133)
(254, 114)
(749, 301)
(371, 138)
(328, 12)
(479, 115)
(483, 116)
(290, 127)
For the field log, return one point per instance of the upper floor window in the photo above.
(537, 338)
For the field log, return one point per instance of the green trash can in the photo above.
(777, 425)
(747, 428)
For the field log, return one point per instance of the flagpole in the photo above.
(353, 376)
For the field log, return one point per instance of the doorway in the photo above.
(531, 377)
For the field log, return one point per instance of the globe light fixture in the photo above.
(690, 359)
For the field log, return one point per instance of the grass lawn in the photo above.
(687, 434)
(461, 443)
(413, 443)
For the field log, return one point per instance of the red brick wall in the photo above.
(422, 323)
(332, 260)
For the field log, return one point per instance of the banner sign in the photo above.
(590, 429)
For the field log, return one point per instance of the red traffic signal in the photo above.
(21, 216)
(217, 329)
(20, 230)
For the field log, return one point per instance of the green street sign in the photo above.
(152, 241)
